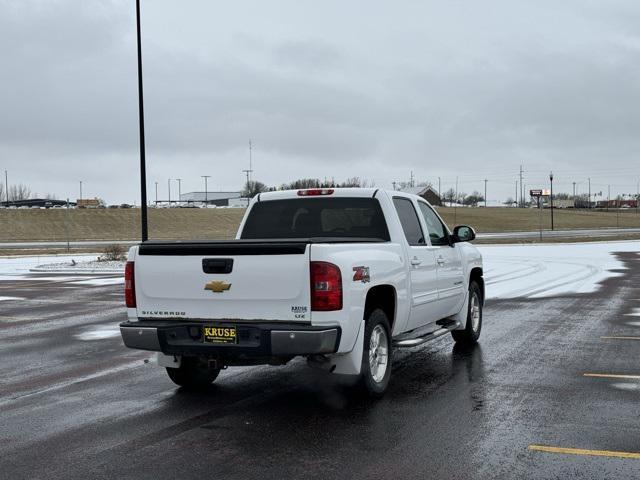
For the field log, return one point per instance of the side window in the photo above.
(409, 220)
(437, 231)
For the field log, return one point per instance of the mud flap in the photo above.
(350, 363)
(461, 316)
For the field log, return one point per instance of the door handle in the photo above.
(440, 261)
(415, 261)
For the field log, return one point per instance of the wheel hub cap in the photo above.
(475, 312)
(378, 353)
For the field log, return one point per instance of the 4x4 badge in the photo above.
(217, 286)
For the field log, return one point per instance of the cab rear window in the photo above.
(337, 217)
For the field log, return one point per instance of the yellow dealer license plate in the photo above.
(220, 335)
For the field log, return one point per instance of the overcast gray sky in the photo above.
(372, 89)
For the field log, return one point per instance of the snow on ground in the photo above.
(99, 332)
(22, 265)
(99, 282)
(547, 270)
(22, 268)
(82, 265)
(510, 270)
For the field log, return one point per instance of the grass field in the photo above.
(201, 224)
(526, 219)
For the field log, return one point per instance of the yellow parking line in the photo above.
(581, 451)
(612, 375)
(620, 338)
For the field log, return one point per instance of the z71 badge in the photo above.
(361, 274)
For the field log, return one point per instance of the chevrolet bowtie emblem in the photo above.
(217, 286)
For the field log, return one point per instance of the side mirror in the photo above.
(463, 233)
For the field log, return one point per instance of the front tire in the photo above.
(193, 374)
(377, 352)
(471, 332)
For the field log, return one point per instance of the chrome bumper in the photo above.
(176, 338)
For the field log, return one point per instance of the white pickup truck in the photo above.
(340, 276)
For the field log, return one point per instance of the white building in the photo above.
(220, 199)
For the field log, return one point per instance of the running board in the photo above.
(414, 342)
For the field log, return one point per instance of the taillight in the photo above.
(311, 192)
(129, 286)
(326, 287)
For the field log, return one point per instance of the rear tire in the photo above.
(471, 332)
(193, 374)
(377, 353)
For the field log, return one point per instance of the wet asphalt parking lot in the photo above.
(548, 376)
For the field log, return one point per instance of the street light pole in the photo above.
(485, 193)
(179, 180)
(156, 194)
(551, 179)
(169, 190)
(80, 189)
(143, 167)
(206, 199)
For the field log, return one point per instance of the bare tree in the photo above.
(3, 197)
(19, 192)
(253, 188)
(473, 199)
(449, 196)
(303, 183)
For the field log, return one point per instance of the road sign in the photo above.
(535, 193)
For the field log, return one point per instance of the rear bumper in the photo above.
(254, 339)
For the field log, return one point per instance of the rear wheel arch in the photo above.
(476, 276)
(384, 298)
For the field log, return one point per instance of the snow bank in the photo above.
(76, 266)
(22, 265)
(547, 270)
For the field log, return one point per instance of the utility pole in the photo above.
(206, 199)
(574, 191)
(66, 226)
(249, 171)
(143, 166)
(169, 190)
(439, 192)
(179, 180)
(156, 194)
(521, 202)
(80, 189)
(485, 193)
(551, 180)
(516, 199)
(589, 193)
(455, 205)
(6, 184)
(608, 196)
(250, 159)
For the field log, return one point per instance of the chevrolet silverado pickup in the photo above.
(342, 277)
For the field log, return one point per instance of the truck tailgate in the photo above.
(223, 280)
